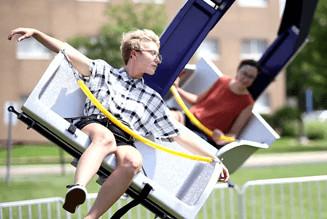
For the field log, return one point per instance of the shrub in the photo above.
(286, 114)
(288, 120)
(269, 119)
(290, 129)
(315, 130)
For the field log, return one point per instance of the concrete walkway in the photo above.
(254, 161)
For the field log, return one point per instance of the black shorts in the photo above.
(122, 138)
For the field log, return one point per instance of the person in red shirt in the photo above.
(225, 107)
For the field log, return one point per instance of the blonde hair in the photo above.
(132, 41)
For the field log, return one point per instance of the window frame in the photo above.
(213, 57)
(253, 4)
(253, 55)
(40, 52)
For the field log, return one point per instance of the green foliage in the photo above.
(315, 130)
(269, 119)
(122, 17)
(290, 129)
(286, 113)
(286, 119)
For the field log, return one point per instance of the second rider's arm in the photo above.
(188, 97)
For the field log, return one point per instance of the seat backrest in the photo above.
(255, 135)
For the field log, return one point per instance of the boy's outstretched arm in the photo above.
(189, 143)
(80, 62)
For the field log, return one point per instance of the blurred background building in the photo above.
(245, 31)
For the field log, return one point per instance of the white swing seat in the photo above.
(257, 134)
(180, 186)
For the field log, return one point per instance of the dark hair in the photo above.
(250, 62)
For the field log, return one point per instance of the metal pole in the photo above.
(9, 146)
(62, 161)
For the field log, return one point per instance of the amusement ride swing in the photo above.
(168, 189)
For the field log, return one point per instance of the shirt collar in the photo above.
(126, 77)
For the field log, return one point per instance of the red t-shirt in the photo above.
(220, 107)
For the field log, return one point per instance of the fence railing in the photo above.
(287, 198)
(37, 208)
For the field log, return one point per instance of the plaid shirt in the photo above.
(129, 100)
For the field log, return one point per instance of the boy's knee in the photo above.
(132, 165)
(107, 141)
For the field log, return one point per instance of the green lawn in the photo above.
(39, 154)
(290, 145)
(34, 154)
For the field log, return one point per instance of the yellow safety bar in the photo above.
(193, 118)
(132, 133)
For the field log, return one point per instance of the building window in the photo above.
(150, 1)
(32, 49)
(253, 49)
(262, 104)
(209, 48)
(253, 3)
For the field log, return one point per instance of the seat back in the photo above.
(255, 135)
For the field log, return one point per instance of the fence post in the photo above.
(240, 202)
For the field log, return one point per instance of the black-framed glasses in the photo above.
(152, 52)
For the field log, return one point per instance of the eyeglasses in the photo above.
(153, 53)
(246, 75)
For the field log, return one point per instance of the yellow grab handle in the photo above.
(132, 133)
(193, 118)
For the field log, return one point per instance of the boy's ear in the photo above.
(132, 53)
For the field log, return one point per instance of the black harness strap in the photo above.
(144, 193)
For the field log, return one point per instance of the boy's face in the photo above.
(148, 58)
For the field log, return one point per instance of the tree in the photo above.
(122, 17)
(309, 68)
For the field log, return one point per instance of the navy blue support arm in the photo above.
(182, 38)
(292, 35)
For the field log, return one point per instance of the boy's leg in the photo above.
(129, 162)
(103, 143)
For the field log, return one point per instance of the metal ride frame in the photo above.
(178, 43)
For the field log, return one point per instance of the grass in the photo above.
(50, 153)
(290, 145)
(34, 154)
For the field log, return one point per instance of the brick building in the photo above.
(245, 31)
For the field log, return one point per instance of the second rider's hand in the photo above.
(216, 134)
(25, 32)
(176, 83)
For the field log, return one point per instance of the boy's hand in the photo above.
(224, 175)
(25, 32)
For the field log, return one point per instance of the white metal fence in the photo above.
(288, 198)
